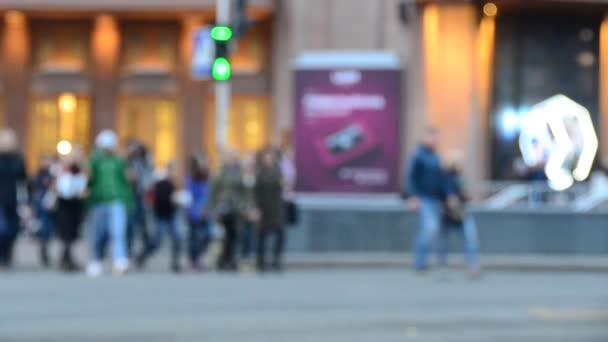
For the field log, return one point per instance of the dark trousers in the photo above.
(67, 261)
(137, 223)
(227, 258)
(9, 228)
(198, 239)
(47, 229)
(247, 240)
(163, 224)
(277, 250)
(69, 220)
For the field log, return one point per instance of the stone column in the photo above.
(105, 51)
(603, 91)
(192, 91)
(16, 55)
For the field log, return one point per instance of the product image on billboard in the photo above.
(347, 128)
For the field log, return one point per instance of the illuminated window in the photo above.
(48, 125)
(155, 122)
(249, 124)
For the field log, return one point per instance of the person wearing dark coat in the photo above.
(425, 182)
(165, 214)
(229, 202)
(268, 193)
(71, 190)
(457, 219)
(41, 188)
(12, 176)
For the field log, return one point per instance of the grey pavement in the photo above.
(27, 257)
(371, 305)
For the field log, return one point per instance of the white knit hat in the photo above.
(106, 140)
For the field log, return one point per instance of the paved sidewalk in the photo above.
(492, 262)
(27, 257)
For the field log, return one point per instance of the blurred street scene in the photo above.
(304, 170)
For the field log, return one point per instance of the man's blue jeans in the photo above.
(198, 239)
(109, 220)
(430, 220)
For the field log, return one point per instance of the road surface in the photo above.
(329, 305)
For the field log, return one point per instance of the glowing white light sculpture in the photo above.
(563, 129)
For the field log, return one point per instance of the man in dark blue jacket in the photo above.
(425, 183)
(12, 178)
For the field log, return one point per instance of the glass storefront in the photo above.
(249, 124)
(155, 121)
(54, 118)
(536, 59)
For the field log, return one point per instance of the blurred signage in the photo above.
(347, 123)
(203, 54)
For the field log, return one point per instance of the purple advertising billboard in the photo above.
(347, 130)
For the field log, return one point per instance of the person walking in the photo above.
(165, 215)
(269, 201)
(425, 183)
(71, 190)
(289, 171)
(12, 181)
(141, 176)
(110, 199)
(248, 236)
(457, 220)
(197, 184)
(228, 202)
(43, 203)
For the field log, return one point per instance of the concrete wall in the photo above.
(344, 230)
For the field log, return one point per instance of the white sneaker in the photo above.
(121, 267)
(94, 269)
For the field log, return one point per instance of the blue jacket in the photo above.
(425, 176)
(200, 190)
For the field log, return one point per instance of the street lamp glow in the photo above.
(490, 9)
(67, 103)
(221, 33)
(221, 69)
(64, 147)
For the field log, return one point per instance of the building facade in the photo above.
(74, 67)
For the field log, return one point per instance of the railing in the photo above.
(582, 197)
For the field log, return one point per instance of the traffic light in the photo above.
(221, 70)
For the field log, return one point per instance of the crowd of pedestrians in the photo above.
(123, 207)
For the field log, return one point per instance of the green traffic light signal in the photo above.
(221, 33)
(221, 69)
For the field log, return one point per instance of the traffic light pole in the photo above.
(222, 88)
